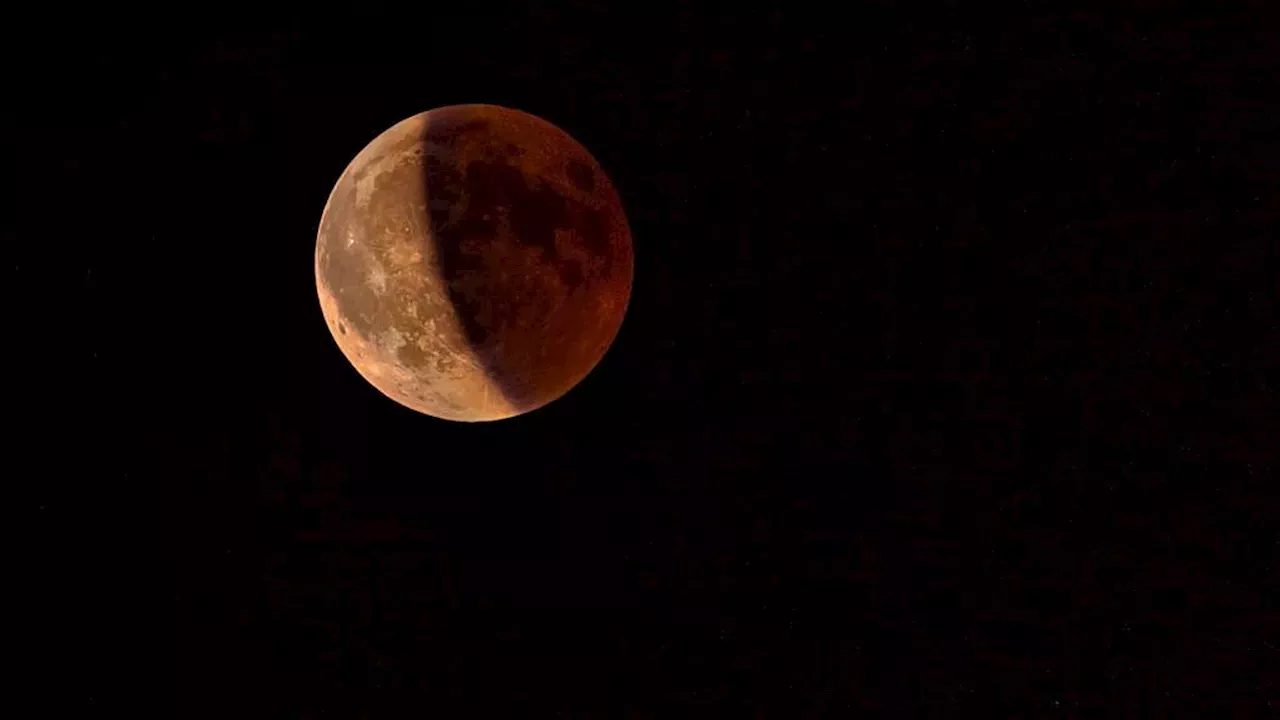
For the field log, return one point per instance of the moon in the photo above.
(473, 262)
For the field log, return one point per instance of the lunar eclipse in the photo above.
(473, 262)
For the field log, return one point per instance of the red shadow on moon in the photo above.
(523, 260)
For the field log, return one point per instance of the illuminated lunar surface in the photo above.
(473, 262)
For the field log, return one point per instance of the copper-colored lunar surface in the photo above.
(473, 262)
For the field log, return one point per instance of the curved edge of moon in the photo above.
(465, 395)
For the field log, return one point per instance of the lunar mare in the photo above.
(473, 262)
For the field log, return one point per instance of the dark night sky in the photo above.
(948, 383)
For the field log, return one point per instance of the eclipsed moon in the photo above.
(473, 262)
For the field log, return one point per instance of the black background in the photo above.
(948, 382)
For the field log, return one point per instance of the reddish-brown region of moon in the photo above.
(473, 262)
